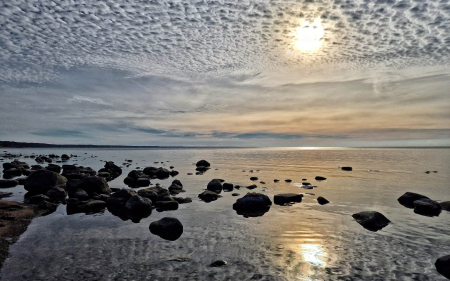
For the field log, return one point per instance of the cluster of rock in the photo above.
(138, 178)
(202, 166)
(423, 205)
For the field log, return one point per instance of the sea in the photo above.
(302, 241)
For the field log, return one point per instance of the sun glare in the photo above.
(309, 36)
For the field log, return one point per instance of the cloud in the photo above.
(87, 99)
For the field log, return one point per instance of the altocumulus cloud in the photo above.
(225, 72)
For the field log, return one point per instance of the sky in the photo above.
(358, 73)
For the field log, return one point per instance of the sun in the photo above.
(309, 36)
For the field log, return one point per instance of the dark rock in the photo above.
(275, 180)
(150, 171)
(287, 198)
(11, 173)
(371, 220)
(95, 206)
(319, 178)
(80, 194)
(37, 167)
(50, 207)
(39, 182)
(69, 167)
(93, 185)
(149, 193)
(53, 168)
(104, 174)
(408, 199)
(8, 183)
(176, 187)
(443, 266)
(427, 207)
(102, 197)
(116, 171)
(65, 157)
(5, 194)
(166, 205)
(202, 168)
(253, 178)
(173, 173)
(252, 205)
(141, 182)
(288, 180)
(235, 194)
(167, 228)
(129, 181)
(181, 200)
(215, 185)
(208, 196)
(203, 163)
(36, 199)
(347, 168)
(57, 194)
(218, 263)
(445, 205)
(322, 201)
(135, 175)
(138, 204)
(228, 187)
(120, 197)
(253, 186)
(162, 173)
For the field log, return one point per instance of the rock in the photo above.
(53, 168)
(287, 198)
(252, 205)
(371, 220)
(347, 168)
(288, 180)
(253, 178)
(37, 167)
(227, 187)
(11, 173)
(443, 266)
(445, 205)
(208, 196)
(235, 194)
(36, 199)
(116, 171)
(162, 173)
(138, 204)
(50, 207)
(5, 194)
(173, 173)
(149, 193)
(39, 182)
(408, 199)
(181, 200)
(129, 181)
(141, 182)
(218, 263)
(101, 197)
(120, 197)
(80, 194)
(104, 174)
(275, 180)
(253, 186)
(57, 194)
(92, 185)
(319, 178)
(166, 205)
(135, 175)
(202, 168)
(65, 157)
(427, 207)
(203, 163)
(95, 206)
(167, 228)
(176, 187)
(150, 171)
(322, 201)
(8, 183)
(215, 185)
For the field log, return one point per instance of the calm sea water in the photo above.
(305, 241)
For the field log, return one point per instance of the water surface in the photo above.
(305, 241)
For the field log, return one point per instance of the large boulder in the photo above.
(287, 198)
(252, 205)
(120, 197)
(443, 266)
(167, 228)
(57, 194)
(54, 168)
(176, 187)
(371, 220)
(227, 187)
(116, 171)
(408, 199)
(215, 185)
(41, 181)
(92, 185)
(427, 207)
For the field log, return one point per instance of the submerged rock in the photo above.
(166, 205)
(182, 200)
(445, 205)
(408, 199)
(319, 178)
(443, 266)
(92, 185)
(167, 228)
(371, 220)
(287, 198)
(427, 207)
(322, 201)
(347, 168)
(253, 186)
(252, 205)
(253, 178)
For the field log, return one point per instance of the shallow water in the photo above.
(305, 241)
